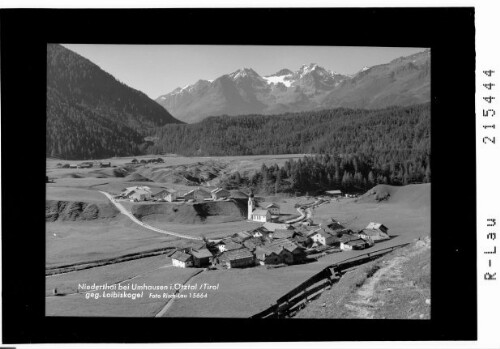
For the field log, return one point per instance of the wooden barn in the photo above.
(237, 258)
(182, 260)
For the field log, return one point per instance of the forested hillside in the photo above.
(358, 148)
(92, 115)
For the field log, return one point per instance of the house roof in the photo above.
(238, 194)
(236, 254)
(280, 244)
(346, 238)
(273, 205)
(181, 256)
(253, 243)
(202, 253)
(356, 242)
(283, 233)
(374, 225)
(335, 225)
(333, 191)
(218, 190)
(261, 230)
(260, 212)
(231, 245)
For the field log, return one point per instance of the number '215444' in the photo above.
(488, 112)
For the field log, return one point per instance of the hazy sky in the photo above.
(159, 69)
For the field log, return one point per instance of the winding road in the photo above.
(147, 226)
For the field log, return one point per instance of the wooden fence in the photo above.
(298, 297)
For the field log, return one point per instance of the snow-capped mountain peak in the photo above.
(242, 73)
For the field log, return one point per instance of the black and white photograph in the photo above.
(246, 175)
(238, 181)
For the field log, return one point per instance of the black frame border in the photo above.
(449, 32)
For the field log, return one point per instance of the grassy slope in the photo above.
(396, 286)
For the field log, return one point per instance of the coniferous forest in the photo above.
(90, 114)
(350, 149)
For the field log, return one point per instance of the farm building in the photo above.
(261, 216)
(237, 258)
(258, 232)
(375, 235)
(136, 193)
(324, 237)
(164, 194)
(197, 194)
(377, 226)
(105, 164)
(273, 208)
(334, 193)
(283, 234)
(201, 257)
(240, 237)
(267, 256)
(253, 243)
(297, 252)
(87, 164)
(219, 194)
(228, 245)
(182, 260)
(334, 225)
(357, 244)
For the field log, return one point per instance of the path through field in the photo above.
(147, 226)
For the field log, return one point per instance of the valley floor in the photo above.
(241, 292)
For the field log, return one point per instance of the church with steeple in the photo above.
(257, 214)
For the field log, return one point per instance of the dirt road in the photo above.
(147, 226)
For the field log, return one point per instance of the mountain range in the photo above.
(92, 115)
(403, 81)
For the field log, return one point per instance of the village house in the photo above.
(240, 258)
(268, 256)
(334, 193)
(258, 232)
(273, 208)
(104, 164)
(261, 216)
(287, 251)
(86, 164)
(253, 243)
(377, 226)
(334, 225)
(220, 194)
(228, 245)
(137, 193)
(374, 235)
(182, 260)
(325, 238)
(356, 244)
(283, 234)
(198, 195)
(164, 194)
(240, 237)
(201, 257)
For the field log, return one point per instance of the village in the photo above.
(276, 243)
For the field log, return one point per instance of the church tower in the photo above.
(250, 207)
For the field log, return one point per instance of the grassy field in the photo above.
(113, 273)
(75, 194)
(91, 240)
(72, 305)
